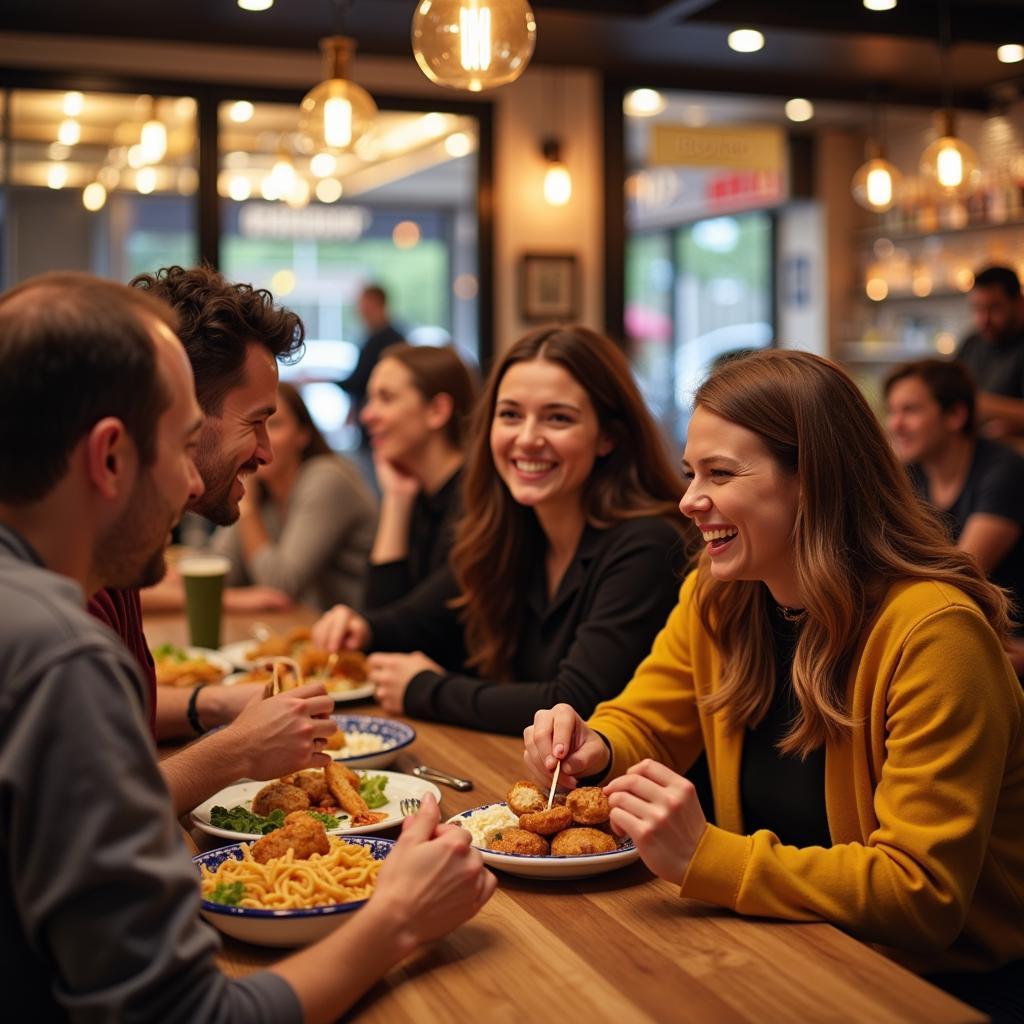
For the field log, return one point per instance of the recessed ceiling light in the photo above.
(255, 5)
(643, 103)
(1010, 53)
(746, 40)
(241, 111)
(798, 109)
(879, 5)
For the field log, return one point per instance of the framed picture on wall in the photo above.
(548, 287)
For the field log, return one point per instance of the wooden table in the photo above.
(619, 948)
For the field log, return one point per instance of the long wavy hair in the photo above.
(498, 540)
(859, 528)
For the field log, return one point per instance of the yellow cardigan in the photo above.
(925, 798)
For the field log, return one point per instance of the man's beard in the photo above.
(216, 503)
(132, 552)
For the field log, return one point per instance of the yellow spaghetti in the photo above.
(346, 873)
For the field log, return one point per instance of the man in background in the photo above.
(994, 354)
(380, 333)
(976, 483)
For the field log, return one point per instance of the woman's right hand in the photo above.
(341, 629)
(432, 881)
(559, 734)
(394, 481)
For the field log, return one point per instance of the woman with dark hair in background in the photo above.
(418, 404)
(306, 525)
(843, 667)
(566, 557)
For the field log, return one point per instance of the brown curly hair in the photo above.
(217, 322)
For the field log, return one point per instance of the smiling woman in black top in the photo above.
(566, 559)
(418, 402)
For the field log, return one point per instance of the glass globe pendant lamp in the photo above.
(337, 113)
(473, 44)
(948, 165)
(876, 184)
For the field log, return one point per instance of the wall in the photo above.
(525, 113)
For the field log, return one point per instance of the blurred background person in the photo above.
(995, 352)
(976, 484)
(566, 557)
(380, 333)
(418, 405)
(305, 526)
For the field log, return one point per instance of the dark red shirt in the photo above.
(121, 610)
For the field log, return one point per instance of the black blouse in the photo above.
(431, 533)
(783, 793)
(580, 647)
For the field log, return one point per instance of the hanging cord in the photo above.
(945, 62)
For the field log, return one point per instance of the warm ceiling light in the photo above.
(69, 132)
(746, 40)
(557, 179)
(798, 109)
(241, 111)
(879, 5)
(473, 44)
(298, 195)
(876, 184)
(335, 114)
(322, 165)
(57, 175)
(283, 176)
(877, 289)
(153, 141)
(643, 103)
(434, 123)
(74, 102)
(459, 144)
(239, 187)
(1010, 53)
(255, 5)
(329, 190)
(94, 195)
(949, 165)
(145, 180)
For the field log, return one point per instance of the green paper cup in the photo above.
(204, 592)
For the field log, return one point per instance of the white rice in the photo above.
(359, 743)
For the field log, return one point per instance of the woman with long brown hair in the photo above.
(419, 401)
(305, 528)
(563, 565)
(842, 666)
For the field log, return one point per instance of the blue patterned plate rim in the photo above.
(399, 734)
(624, 847)
(380, 848)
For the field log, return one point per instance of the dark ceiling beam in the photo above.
(676, 10)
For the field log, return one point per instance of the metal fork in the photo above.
(409, 805)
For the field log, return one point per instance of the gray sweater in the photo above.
(99, 902)
(320, 543)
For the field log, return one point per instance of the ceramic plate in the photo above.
(341, 695)
(395, 736)
(280, 927)
(398, 788)
(554, 867)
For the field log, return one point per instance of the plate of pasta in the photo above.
(292, 896)
(345, 802)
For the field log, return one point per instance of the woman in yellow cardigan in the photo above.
(842, 667)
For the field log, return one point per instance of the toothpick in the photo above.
(275, 686)
(554, 784)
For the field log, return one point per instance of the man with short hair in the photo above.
(977, 484)
(99, 903)
(994, 354)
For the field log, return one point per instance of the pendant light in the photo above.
(473, 44)
(153, 138)
(877, 183)
(557, 180)
(948, 166)
(337, 113)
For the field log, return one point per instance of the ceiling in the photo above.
(819, 48)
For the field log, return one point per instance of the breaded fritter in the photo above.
(347, 794)
(517, 840)
(574, 842)
(525, 798)
(279, 796)
(589, 805)
(313, 784)
(547, 822)
(301, 832)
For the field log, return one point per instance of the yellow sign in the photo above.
(747, 148)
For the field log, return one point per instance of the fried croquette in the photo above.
(525, 798)
(589, 805)
(576, 841)
(301, 832)
(336, 740)
(547, 822)
(280, 796)
(518, 840)
(313, 784)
